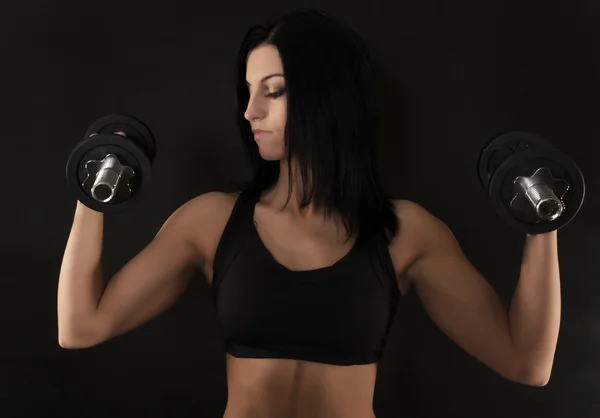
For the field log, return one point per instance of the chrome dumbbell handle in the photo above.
(539, 195)
(106, 177)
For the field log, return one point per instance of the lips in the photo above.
(259, 133)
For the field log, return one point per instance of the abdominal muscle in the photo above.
(281, 388)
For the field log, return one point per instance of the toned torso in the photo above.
(277, 388)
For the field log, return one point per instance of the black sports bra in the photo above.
(338, 315)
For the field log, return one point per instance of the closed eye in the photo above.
(277, 93)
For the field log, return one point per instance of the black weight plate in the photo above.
(503, 146)
(124, 156)
(134, 128)
(96, 148)
(122, 200)
(526, 162)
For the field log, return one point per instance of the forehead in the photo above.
(262, 61)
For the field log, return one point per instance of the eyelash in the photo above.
(276, 93)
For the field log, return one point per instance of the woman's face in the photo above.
(266, 110)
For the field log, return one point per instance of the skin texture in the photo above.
(517, 343)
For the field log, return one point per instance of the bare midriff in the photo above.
(281, 388)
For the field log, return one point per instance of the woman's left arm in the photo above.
(518, 343)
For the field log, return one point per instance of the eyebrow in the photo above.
(267, 77)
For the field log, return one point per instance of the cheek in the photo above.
(281, 118)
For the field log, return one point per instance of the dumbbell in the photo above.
(532, 185)
(109, 172)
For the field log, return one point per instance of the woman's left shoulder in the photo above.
(412, 213)
(419, 227)
(420, 233)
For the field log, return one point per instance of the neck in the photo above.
(278, 194)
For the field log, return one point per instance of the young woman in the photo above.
(308, 263)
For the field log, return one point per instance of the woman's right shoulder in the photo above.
(206, 208)
(213, 199)
(203, 219)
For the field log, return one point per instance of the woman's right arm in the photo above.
(90, 312)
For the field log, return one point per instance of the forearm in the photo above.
(81, 281)
(536, 307)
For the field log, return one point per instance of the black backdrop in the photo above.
(453, 74)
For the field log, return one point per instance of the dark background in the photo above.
(453, 74)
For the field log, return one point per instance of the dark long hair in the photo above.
(332, 121)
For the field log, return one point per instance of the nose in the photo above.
(255, 109)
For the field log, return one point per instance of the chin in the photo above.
(270, 155)
(271, 158)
